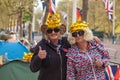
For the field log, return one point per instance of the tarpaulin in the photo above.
(17, 70)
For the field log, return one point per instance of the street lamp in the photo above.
(74, 12)
(113, 28)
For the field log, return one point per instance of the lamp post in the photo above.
(74, 12)
(113, 26)
(67, 23)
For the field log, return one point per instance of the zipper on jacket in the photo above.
(58, 51)
(92, 66)
(60, 65)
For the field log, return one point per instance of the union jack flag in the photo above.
(109, 8)
(52, 8)
(64, 15)
(113, 72)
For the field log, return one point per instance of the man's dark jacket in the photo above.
(53, 67)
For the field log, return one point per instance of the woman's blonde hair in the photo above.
(88, 36)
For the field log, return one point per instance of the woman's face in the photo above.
(53, 34)
(79, 39)
(79, 36)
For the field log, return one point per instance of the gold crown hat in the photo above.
(53, 20)
(78, 25)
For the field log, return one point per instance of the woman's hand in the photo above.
(98, 62)
(96, 39)
(42, 53)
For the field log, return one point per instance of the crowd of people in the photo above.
(79, 56)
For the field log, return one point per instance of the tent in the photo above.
(13, 50)
(17, 70)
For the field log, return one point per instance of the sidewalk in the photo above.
(114, 50)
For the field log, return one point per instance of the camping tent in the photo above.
(17, 70)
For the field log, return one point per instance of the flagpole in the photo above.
(74, 12)
(67, 25)
(113, 28)
(33, 20)
(33, 24)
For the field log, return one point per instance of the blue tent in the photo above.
(14, 50)
(0, 43)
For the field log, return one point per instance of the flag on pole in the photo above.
(110, 16)
(43, 5)
(112, 72)
(54, 2)
(109, 8)
(52, 8)
(117, 75)
(79, 13)
(106, 4)
(109, 72)
(64, 15)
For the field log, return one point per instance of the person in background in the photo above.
(25, 42)
(12, 37)
(63, 26)
(49, 54)
(86, 59)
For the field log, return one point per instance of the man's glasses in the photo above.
(80, 33)
(50, 30)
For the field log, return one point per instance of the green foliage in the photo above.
(14, 9)
(26, 17)
(97, 17)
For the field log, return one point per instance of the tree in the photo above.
(85, 10)
(47, 9)
(14, 9)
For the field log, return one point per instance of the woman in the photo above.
(86, 58)
(49, 54)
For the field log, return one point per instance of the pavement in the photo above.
(114, 50)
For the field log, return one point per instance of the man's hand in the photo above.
(42, 53)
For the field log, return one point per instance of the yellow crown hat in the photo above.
(53, 20)
(78, 25)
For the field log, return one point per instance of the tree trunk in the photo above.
(21, 24)
(85, 10)
(30, 24)
(46, 13)
(47, 10)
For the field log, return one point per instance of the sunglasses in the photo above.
(80, 33)
(50, 30)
